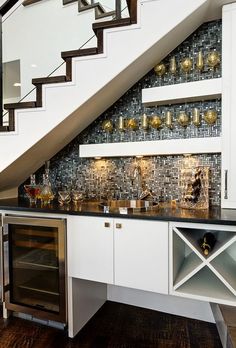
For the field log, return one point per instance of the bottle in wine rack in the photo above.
(207, 242)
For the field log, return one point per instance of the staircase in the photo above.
(94, 79)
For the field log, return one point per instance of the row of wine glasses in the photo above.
(156, 121)
(212, 60)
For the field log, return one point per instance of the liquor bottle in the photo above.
(207, 242)
(46, 194)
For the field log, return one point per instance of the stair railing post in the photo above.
(118, 9)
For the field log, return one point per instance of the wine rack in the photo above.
(209, 278)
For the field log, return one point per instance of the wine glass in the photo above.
(121, 127)
(132, 126)
(144, 125)
(107, 127)
(64, 197)
(213, 60)
(199, 63)
(210, 117)
(173, 68)
(186, 66)
(196, 119)
(156, 123)
(160, 70)
(183, 120)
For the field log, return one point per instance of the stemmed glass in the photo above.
(210, 117)
(160, 70)
(196, 119)
(144, 125)
(156, 123)
(121, 127)
(199, 63)
(213, 60)
(183, 121)
(107, 127)
(186, 66)
(132, 126)
(173, 69)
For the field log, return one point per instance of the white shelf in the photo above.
(191, 265)
(224, 265)
(182, 92)
(157, 147)
(206, 286)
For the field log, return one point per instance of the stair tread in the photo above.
(50, 79)
(80, 52)
(112, 24)
(21, 105)
(229, 315)
(4, 129)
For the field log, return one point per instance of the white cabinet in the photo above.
(194, 275)
(137, 250)
(141, 254)
(228, 196)
(90, 248)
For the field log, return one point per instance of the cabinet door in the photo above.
(90, 248)
(141, 254)
(228, 196)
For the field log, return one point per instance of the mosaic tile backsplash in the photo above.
(114, 177)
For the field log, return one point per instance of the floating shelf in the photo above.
(150, 148)
(182, 92)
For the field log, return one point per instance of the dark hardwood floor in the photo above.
(115, 326)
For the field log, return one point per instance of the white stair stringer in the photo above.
(98, 81)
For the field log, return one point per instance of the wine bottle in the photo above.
(207, 242)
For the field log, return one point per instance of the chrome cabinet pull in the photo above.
(226, 184)
(107, 224)
(118, 225)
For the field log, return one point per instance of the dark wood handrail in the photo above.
(7, 6)
(98, 28)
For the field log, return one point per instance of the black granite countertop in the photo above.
(214, 215)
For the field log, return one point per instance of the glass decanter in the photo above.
(46, 194)
(32, 190)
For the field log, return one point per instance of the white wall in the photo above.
(37, 35)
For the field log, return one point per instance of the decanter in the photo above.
(46, 194)
(32, 190)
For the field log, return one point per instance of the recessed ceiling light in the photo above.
(17, 84)
(33, 65)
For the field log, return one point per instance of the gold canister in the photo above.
(121, 124)
(196, 118)
(168, 120)
(173, 66)
(160, 69)
(210, 116)
(156, 122)
(144, 122)
(200, 61)
(183, 119)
